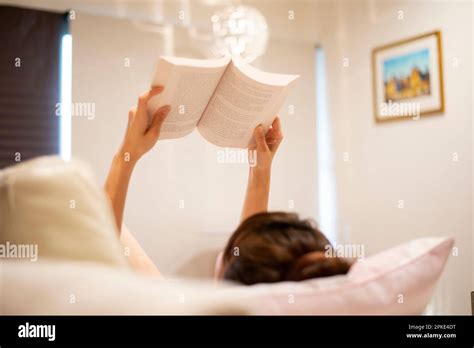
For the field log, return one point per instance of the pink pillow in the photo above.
(396, 281)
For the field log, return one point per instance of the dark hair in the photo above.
(274, 247)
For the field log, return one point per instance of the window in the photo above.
(325, 153)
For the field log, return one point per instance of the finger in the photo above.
(155, 90)
(141, 114)
(260, 139)
(273, 141)
(276, 126)
(275, 135)
(274, 145)
(131, 114)
(158, 119)
(143, 99)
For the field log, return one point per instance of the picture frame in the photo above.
(408, 78)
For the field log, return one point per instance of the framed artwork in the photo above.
(408, 78)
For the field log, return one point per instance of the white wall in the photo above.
(406, 160)
(178, 240)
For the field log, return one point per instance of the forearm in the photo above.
(116, 185)
(258, 191)
(137, 257)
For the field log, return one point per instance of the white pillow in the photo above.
(59, 208)
(53, 287)
(399, 280)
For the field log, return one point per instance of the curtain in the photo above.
(30, 56)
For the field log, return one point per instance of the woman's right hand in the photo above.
(266, 145)
(258, 186)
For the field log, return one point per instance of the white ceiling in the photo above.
(310, 15)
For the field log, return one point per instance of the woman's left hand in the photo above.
(141, 136)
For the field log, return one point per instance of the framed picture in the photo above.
(408, 78)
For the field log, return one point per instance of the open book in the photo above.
(225, 99)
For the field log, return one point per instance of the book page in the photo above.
(244, 98)
(189, 85)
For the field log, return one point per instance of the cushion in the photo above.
(58, 208)
(399, 280)
(97, 289)
(372, 286)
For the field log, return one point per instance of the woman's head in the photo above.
(274, 247)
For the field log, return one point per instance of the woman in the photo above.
(266, 247)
